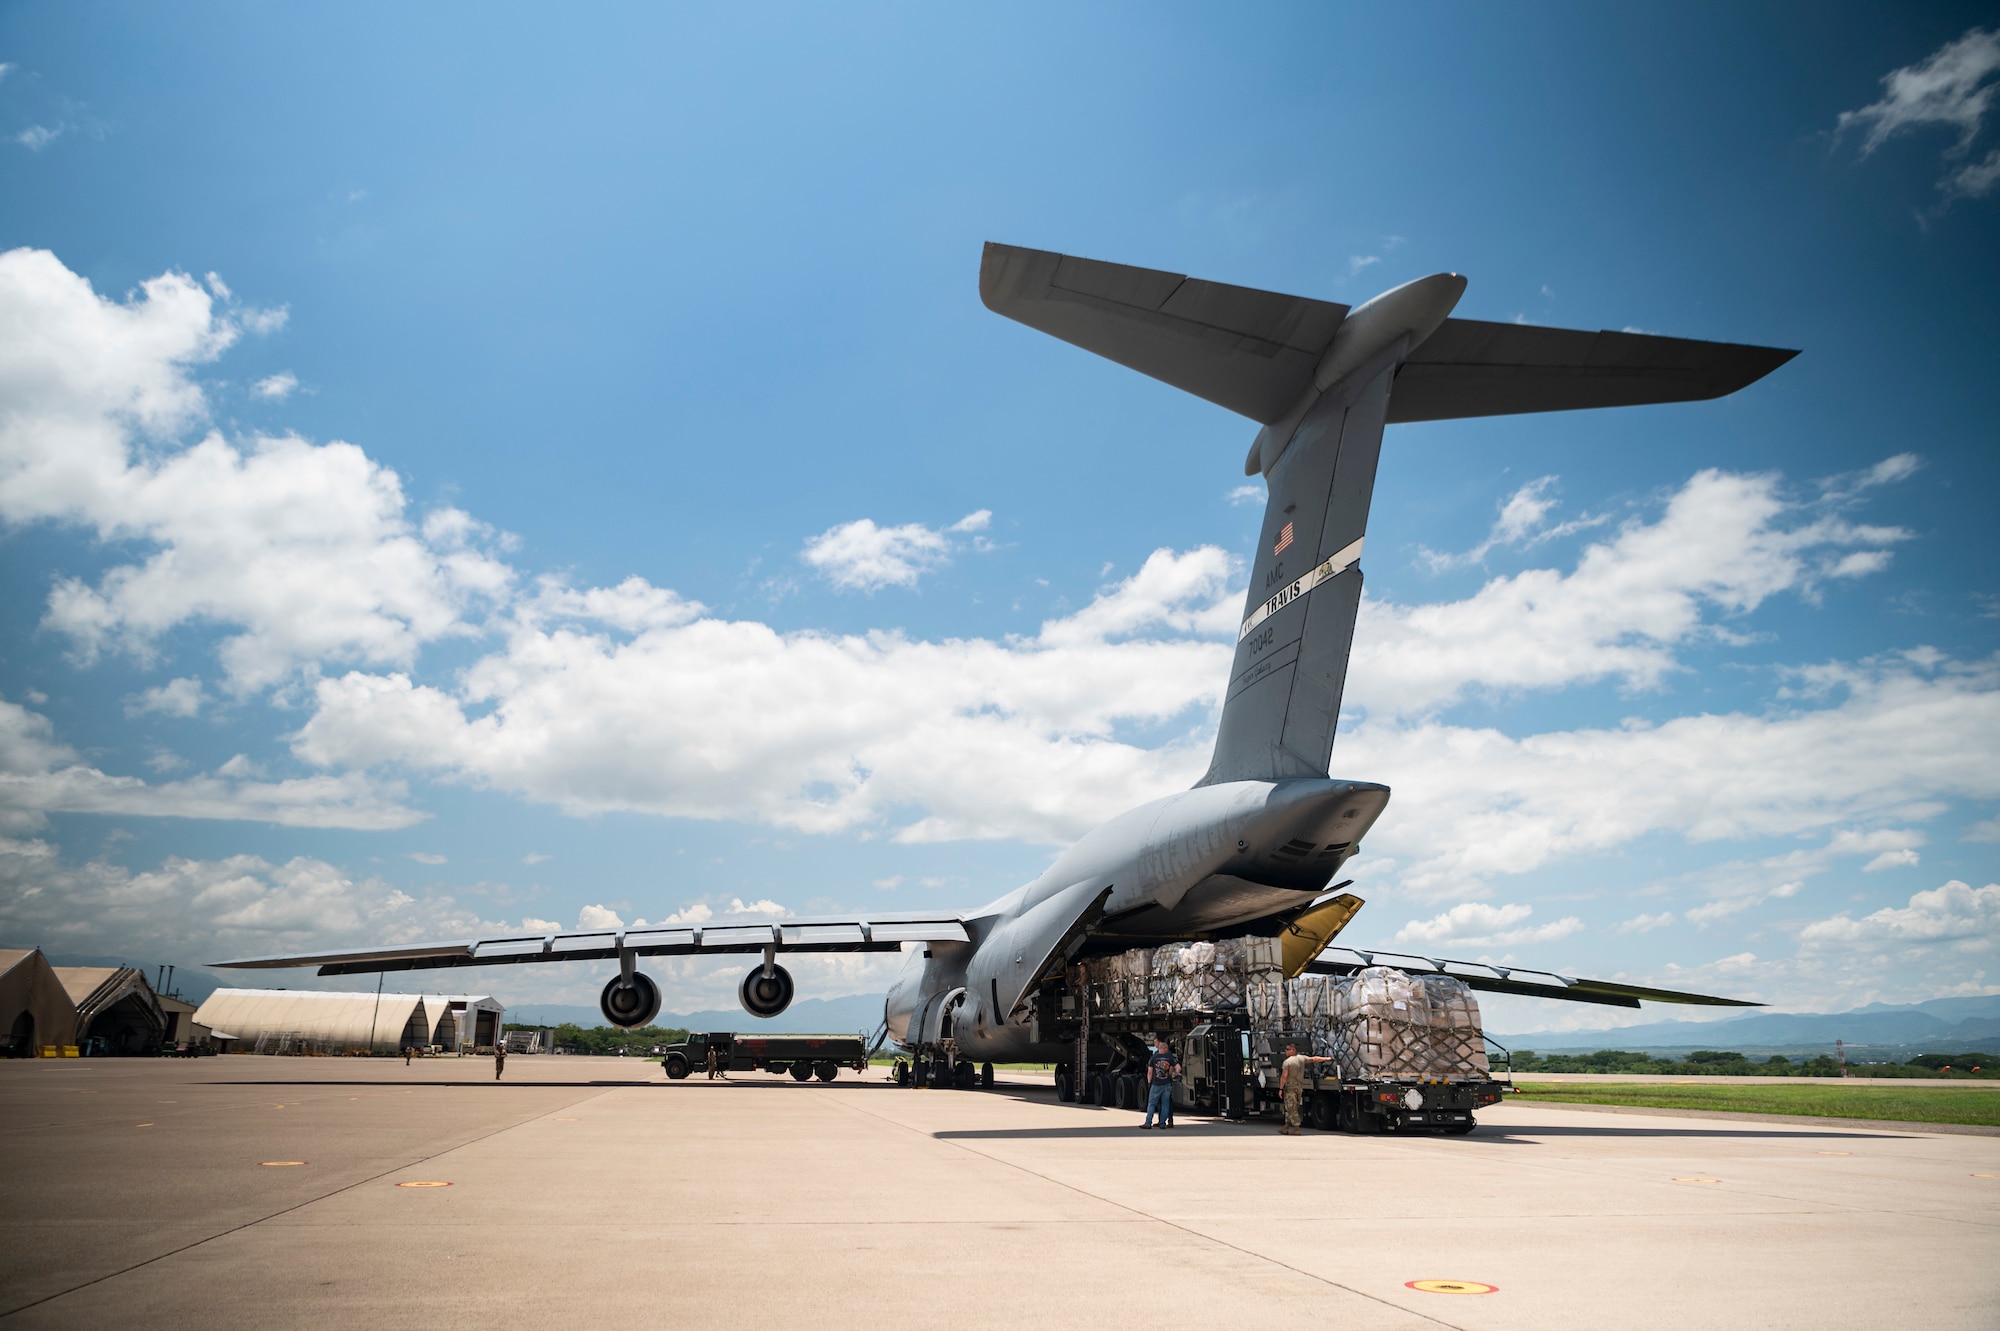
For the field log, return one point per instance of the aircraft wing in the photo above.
(1512, 979)
(1254, 352)
(876, 933)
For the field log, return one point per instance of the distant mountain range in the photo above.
(1942, 1025)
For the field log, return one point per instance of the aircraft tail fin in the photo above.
(1324, 380)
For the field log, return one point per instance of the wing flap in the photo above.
(1469, 367)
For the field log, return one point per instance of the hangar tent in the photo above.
(36, 1014)
(116, 1011)
(282, 1021)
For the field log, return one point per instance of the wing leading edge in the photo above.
(877, 933)
(1513, 979)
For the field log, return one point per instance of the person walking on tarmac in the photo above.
(711, 1060)
(499, 1058)
(1292, 1085)
(1161, 1069)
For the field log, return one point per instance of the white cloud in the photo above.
(427, 857)
(304, 549)
(1472, 801)
(1645, 924)
(764, 906)
(1953, 87)
(1725, 544)
(1987, 831)
(1968, 918)
(1476, 924)
(535, 857)
(1357, 262)
(1521, 523)
(730, 719)
(40, 776)
(1245, 494)
(1891, 859)
(177, 697)
(860, 556)
(37, 137)
(199, 911)
(598, 917)
(7, 67)
(276, 387)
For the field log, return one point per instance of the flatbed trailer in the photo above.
(802, 1056)
(1230, 1068)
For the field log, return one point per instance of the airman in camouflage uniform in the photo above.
(1292, 1085)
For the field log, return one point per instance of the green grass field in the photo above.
(1902, 1104)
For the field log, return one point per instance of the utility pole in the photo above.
(379, 977)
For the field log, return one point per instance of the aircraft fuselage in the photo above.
(1205, 860)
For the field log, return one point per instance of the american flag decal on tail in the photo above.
(1284, 540)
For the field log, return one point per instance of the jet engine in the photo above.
(766, 990)
(634, 1000)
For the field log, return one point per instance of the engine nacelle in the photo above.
(630, 1003)
(766, 990)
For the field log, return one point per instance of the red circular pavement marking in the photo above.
(1451, 1286)
(424, 1183)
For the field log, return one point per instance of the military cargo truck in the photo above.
(1407, 1053)
(802, 1056)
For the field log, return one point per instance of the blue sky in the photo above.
(317, 600)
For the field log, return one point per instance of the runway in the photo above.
(590, 1191)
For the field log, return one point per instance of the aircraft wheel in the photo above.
(964, 1076)
(677, 1067)
(802, 1072)
(900, 1073)
(826, 1071)
(986, 1074)
(1065, 1088)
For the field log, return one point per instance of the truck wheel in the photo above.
(1322, 1112)
(1121, 1094)
(826, 1071)
(802, 1072)
(677, 1067)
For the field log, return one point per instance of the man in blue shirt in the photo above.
(1161, 1069)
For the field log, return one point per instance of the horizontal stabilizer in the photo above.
(1513, 979)
(1255, 352)
(1472, 368)
(1250, 351)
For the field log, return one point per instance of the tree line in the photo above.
(1729, 1063)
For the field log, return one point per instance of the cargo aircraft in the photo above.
(1253, 848)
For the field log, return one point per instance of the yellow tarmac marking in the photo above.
(1833, 1153)
(1451, 1286)
(279, 1164)
(142, 1125)
(1986, 1176)
(424, 1183)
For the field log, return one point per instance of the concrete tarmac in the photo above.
(591, 1191)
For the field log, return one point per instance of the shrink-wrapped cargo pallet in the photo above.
(1387, 1024)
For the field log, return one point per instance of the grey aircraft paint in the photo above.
(1262, 834)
